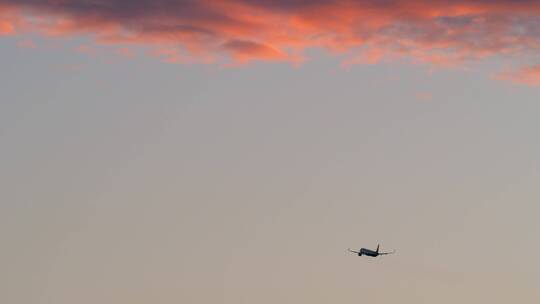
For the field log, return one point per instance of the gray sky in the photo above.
(135, 181)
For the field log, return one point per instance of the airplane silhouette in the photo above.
(371, 253)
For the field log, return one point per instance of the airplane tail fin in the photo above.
(377, 248)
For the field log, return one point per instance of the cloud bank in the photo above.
(439, 32)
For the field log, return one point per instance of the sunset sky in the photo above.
(230, 152)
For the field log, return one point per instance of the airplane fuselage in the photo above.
(368, 252)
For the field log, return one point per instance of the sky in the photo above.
(230, 152)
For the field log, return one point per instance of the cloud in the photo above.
(244, 50)
(27, 44)
(529, 75)
(125, 52)
(6, 21)
(424, 96)
(6, 28)
(436, 32)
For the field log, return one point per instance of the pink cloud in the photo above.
(526, 75)
(437, 32)
(6, 21)
(6, 28)
(27, 44)
(125, 52)
(244, 50)
(424, 96)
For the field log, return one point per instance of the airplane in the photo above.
(371, 253)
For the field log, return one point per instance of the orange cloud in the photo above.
(244, 50)
(6, 28)
(6, 22)
(125, 52)
(527, 75)
(437, 32)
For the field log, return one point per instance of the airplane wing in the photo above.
(383, 253)
(353, 251)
